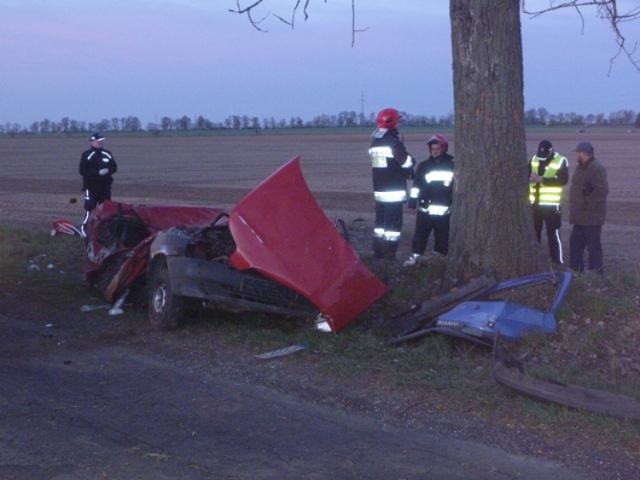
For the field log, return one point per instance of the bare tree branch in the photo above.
(283, 20)
(241, 10)
(607, 10)
(353, 24)
(247, 11)
(294, 11)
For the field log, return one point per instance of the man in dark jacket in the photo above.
(587, 209)
(432, 194)
(548, 174)
(97, 166)
(392, 166)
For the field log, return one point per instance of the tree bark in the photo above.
(491, 225)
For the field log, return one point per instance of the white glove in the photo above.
(103, 171)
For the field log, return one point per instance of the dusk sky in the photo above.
(90, 60)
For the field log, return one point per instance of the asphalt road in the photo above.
(82, 412)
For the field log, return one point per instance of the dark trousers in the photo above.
(93, 198)
(388, 225)
(585, 236)
(425, 223)
(550, 216)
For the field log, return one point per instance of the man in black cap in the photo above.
(587, 209)
(97, 166)
(548, 174)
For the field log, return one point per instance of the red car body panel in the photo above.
(281, 231)
(155, 218)
(132, 268)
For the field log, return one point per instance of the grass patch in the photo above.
(598, 334)
(41, 270)
(18, 246)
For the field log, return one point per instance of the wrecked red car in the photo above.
(275, 251)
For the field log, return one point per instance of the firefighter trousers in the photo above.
(426, 223)
(387, 228)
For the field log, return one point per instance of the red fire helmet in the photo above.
(439, 139)
(388, 118)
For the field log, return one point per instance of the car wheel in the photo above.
(166, 310)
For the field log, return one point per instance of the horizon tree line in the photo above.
(345, 119)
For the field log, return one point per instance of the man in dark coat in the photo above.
(587, 209)
(97, 166)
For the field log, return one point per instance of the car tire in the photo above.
(166, 310)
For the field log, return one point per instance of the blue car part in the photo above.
(482, 320)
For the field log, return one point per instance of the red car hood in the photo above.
(281, 231)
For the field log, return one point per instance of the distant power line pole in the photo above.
(362, 102)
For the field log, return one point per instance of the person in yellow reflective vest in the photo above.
(548, 174)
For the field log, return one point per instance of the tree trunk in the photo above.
(491, 225)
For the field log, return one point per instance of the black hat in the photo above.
(544, 149)
(584, 147)
(96, 137)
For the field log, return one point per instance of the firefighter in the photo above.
(432, 195)
(97, 166)
(392, 166)
(548, 173)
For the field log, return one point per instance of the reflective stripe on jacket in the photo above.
(545, 193)
(432, 190)
(391, 166)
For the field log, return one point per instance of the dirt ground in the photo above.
(127, 403)
(39, 177)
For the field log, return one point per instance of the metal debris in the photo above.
(281, 352)
(93, 308)
(117, 307)
(510, 372)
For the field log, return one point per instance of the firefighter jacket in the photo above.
(391, 165)
(432, 190)
(91, 163)
(588, 194)
(555, 174)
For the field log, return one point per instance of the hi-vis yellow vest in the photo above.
(548, 195)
